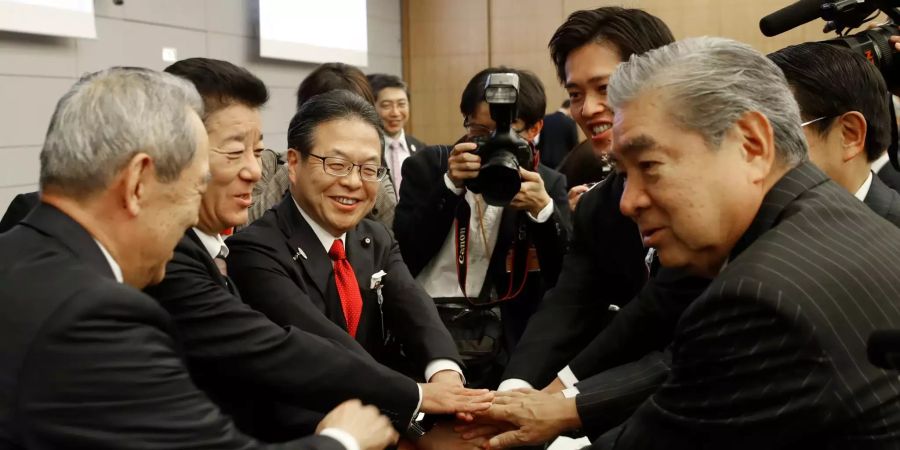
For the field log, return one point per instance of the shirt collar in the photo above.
(324, 237)
(400, 139)
(214, 244)
(863, 190)
(116, 269)
(880, 162)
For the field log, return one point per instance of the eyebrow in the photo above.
(338, 152)
(637, 144)
(592, 80)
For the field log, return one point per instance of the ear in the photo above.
(853, 134)
(139, 172)
(533, 132)
(757, 140)
(293, 159)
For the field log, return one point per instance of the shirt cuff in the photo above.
(568, 378)
(570, 392)
(452, 187)
(513, 384)
(416, 415)
(441, 364)
(345, 438)
(544, 215)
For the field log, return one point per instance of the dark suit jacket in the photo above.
(890, 176)
(426, 213)
(86, 362)
(260, 373)
(558, 136)
(773, 354)
(18, 209)
(609, 394)
(581, 166)
(273, 276)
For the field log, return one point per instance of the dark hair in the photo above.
(221, 83)
(630, 31)
(331, 76)
(379, 81)
(828, 81)
(332, 105)
(532, 103)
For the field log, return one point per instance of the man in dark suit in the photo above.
(313, 261)
(774, 352)
(88, 360)
(559, 136)
(19, 207)
(257, 371)
(392, 104)
(514, 252)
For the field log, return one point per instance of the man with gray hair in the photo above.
(86, 359)
(773, 354)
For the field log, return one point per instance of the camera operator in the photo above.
(514, 252)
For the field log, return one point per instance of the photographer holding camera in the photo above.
(483, 225)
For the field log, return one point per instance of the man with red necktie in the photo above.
(314, 262)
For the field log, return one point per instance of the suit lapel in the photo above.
(304, 246)
(51, 221)
(191, 239)
(793, 184)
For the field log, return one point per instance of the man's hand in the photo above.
(372, 430)
(575, 194)
(448, 377)
(448, 398)
(555, 386)
(532, 196)
(443, 437)
(463, 164)
(537, 416)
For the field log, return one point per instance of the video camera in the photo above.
(504, 151)
(842, 16)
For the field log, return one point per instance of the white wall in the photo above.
(36, 70)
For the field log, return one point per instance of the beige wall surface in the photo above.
(449, 41)
(36, 70)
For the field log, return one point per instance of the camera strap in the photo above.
(463, 247)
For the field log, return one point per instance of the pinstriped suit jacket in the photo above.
(773, 354)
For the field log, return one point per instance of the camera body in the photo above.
(874, 44)
(504, 151)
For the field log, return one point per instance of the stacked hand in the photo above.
(371, 430)
(445, 394)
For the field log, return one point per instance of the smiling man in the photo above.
(392, 104)
(773, 354)
(314, 262)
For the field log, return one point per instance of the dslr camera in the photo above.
(504, 151)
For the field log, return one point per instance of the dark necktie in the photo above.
(348, 288)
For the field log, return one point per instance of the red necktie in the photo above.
(348, 288)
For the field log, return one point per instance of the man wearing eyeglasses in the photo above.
(314, 262)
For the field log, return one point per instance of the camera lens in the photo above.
(499, 178)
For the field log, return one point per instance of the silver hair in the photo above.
(708, 83)
(109, 116)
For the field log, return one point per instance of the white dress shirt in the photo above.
(863, 190)
(880, 162)
(214, 244)
(438, 277)
(113, 265)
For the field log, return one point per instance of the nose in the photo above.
(352, 180)
(634, 199)
(251, 172)
(594, 103)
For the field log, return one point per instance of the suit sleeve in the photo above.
(266, 286)
(644, 324)
(594, 275)
(104, 373)
(426, 209)
(551, 238)
(412, 315)
(743, 363)
(224, 337)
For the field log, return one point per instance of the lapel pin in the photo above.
(413, 148)
(366, 241)
(299, 253)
